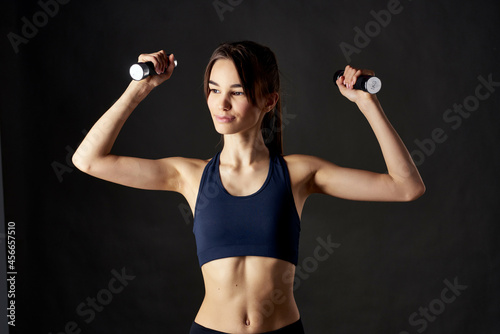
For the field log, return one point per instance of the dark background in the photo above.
(394, 258)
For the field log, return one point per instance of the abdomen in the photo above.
(248, 294)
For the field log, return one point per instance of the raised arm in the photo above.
(93, 155)
(401, 183)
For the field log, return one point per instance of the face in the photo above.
(231, 111)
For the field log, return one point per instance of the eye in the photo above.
(239, 93)
(214, 90)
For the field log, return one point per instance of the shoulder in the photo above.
(305, 170)
(187, 166)
(303, 163)
(188, 172)
(301, 167)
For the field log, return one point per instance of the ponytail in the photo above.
(271, 130)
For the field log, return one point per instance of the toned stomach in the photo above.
(248, 294)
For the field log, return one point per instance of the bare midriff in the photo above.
(248, 294)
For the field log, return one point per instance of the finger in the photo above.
(340, 81)
(346, 72)
(147, 57)
(352, 74)
(362, 71)
(355, 76)
(341, 85)
(162, 61)
(170, 66)
(349, 73)
(171, 62)
(142, 58)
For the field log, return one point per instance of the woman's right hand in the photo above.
(164, 67)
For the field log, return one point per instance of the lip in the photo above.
(224, 119)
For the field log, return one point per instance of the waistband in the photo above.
(294, 328)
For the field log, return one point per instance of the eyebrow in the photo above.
(232, 86)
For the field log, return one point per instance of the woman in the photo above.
(247, 200)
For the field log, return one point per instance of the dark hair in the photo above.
(258, 71)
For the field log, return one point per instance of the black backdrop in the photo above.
(97, 257)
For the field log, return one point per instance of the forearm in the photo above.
(101, 137)
(400, 165)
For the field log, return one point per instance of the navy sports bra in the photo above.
(265, 223)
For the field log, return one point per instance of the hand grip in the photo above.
(140, 71)
(366, 83)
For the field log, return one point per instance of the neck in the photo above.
(240, 149)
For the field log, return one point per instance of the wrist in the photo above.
(139, 90)
(368, 102)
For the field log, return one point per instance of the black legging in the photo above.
(295, 328)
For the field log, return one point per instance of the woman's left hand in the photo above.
(346, 84)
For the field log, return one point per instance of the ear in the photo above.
(271, 100)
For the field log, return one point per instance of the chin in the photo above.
(224, 130)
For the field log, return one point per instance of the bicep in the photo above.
(353, 184)
(159, 174)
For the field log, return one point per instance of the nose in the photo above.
(224, 103)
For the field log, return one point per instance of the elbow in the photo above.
(80, 163)
(414, 193)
